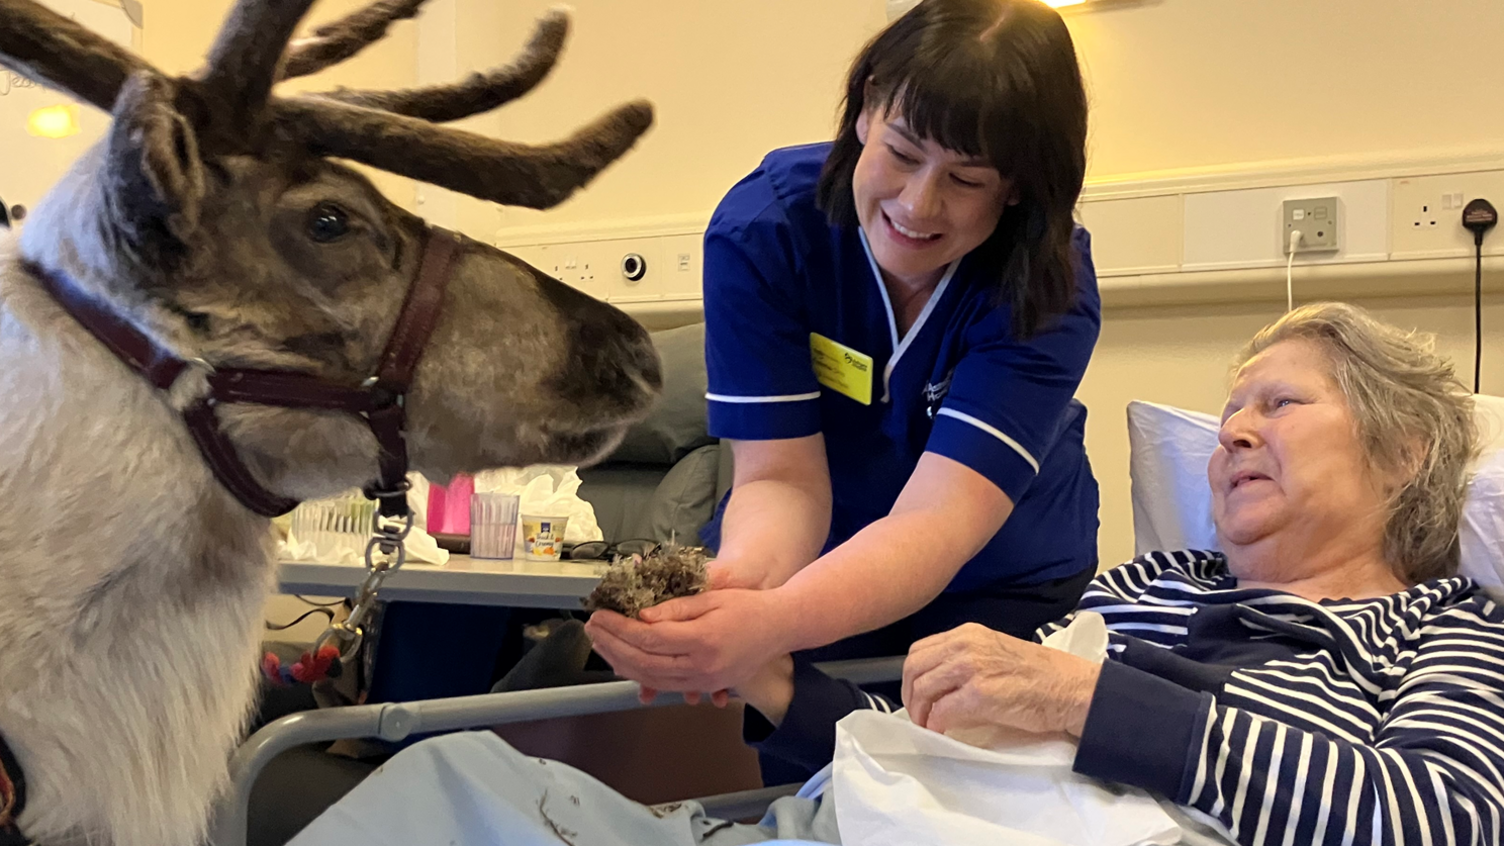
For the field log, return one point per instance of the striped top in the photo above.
(1285, 721)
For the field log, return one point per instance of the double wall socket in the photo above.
(1317, 222)
(1427, 214)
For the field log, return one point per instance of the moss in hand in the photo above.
(632, 584)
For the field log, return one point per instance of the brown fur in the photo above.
(480, 92)
(334, 42)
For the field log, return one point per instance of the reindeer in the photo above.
(212, 228)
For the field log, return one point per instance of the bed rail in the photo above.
(398, 720)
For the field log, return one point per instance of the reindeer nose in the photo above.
(610, 354)
(648, 365)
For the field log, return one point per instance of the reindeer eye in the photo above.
(327, 223)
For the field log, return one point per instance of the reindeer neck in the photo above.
(129, 566)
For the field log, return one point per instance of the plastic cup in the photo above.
(449, 506)
(493, 525)
(543, 536)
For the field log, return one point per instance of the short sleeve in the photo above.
(1009, 400)
(757, 356)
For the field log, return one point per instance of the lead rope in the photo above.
(386, 552)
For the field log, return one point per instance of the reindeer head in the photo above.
(213, 218)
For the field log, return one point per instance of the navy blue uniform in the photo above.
(779, 277)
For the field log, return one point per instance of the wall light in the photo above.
(1059, 3)
(53, 121)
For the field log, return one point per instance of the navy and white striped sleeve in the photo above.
(1118, 586)
(1008, 399)
(761, 380)
(1432, 774)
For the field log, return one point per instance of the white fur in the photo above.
(130, 591)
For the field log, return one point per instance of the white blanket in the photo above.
(472, 789)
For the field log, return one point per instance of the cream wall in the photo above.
(729, 81)
(1189, 83)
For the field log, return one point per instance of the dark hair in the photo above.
(996, 79)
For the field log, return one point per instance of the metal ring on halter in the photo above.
(388, 534)
(398, 552)
(388, 547)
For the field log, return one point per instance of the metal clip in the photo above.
(386, 552)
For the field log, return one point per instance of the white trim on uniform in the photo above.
(900, 347)
(812, 395)
(994, 432)
(877, 273)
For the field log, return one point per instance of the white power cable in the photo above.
(1290, 271)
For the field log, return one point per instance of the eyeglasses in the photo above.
(602, 551)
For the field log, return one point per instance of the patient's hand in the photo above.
(973, 676)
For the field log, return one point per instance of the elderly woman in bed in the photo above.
(1328, 678)
(1327, 674)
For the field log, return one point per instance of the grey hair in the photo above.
(1414, 419)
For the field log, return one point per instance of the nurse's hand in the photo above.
(709, 642)
(973, 677)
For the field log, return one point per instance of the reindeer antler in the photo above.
(42, 45)
(499, 171)
(388, 130)
(480, 92)
(334, 42)
(245, 59)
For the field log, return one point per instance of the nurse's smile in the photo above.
(907, 236)
(922, 205)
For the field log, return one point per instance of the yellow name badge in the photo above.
(841, 368)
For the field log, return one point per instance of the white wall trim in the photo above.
(1293, 172)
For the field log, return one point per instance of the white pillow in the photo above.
(1172, 502)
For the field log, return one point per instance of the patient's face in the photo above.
(1289, 467)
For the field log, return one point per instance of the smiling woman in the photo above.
(896, 324)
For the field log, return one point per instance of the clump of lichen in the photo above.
(632, 584)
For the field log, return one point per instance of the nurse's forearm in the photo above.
(898, 564)
(775, 526)
(885, 573)
(779, 515)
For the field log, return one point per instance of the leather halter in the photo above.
(380, 400)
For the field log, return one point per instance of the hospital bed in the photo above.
(394, 722)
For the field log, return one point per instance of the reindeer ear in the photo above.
(153, 177)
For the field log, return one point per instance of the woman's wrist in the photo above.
(1078, 701)
(771, 690)
(800, 623)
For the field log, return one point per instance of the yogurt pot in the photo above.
(543, 537)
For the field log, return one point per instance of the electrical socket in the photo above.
(1317, 221)
(1426, 213)
(683, 275)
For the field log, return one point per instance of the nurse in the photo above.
(896, 325)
